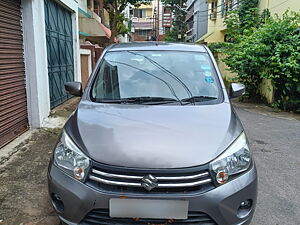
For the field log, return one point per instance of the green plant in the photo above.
(219, 47)
(179, 28)
(172, 35)
(238, 25)
(115, 10)
(248, 14)
(271, 51)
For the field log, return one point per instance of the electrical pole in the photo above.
(181, 28)
(154, 25)
(157, 28)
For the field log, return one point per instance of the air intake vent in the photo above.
(101, 216)
(154, 181)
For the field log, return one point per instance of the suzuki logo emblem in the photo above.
(149, 182)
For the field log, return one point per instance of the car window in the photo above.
(166, 74)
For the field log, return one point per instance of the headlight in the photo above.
(236, 159)
(68, 157)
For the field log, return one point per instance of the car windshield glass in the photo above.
(157, 76)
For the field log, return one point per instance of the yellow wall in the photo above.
(149, 12)
(279, 6)
(267, 90)
(226, 74)
(106, 16)
(148, 9)
(143, 6)
(216, 27)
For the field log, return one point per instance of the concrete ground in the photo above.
(274, 138)
(23, 169)
(275, 141)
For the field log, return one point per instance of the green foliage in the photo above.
(219, 47)
(173, 2)
(246, 10)
(232, 21)
(172, 35)
(264, 48)
(271, 51)
(115, 9)
(236, 28)
(121, 27)
(179, 28)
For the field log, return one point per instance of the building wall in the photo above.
(161, 30)
(226, 74)
(216, 27)
(35, 54)
(279, 6)
(147, 7)
(199, 18)
(201, 25)
(137, 37)
(149, 12)
(82, 4)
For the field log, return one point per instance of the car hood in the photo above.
(161, 136)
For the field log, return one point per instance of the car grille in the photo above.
(161, 181)
(101, 216)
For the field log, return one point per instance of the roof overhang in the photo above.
(90, 27)
(202, 39)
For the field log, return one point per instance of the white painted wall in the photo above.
(83, 4)
(36, 65)
(161, 29)
(89, 54)
(35, 54)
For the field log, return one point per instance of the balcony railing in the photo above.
(146, 19)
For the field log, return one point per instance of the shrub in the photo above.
(271, 51)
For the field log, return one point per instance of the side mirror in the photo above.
(74, 88)
(236, 90)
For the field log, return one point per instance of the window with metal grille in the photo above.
(214, 6)
(142, 32)
(139, 13)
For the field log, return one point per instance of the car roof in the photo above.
(156, 46)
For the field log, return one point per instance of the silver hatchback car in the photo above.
(154, 140)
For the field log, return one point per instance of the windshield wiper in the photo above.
(153, 62)
(140, 100)
(199, 98)
(152, 75)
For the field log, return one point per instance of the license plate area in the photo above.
(148, 209)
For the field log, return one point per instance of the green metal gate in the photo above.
(59, 37)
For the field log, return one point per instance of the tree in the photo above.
(272, 52)
(246, 11)
(179, 27)
(242, 20)
(115, 10)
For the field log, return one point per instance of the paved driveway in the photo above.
(276, 146)
(275, 142)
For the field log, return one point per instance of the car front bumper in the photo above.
(221, 203)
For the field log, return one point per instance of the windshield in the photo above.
(148, 75)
